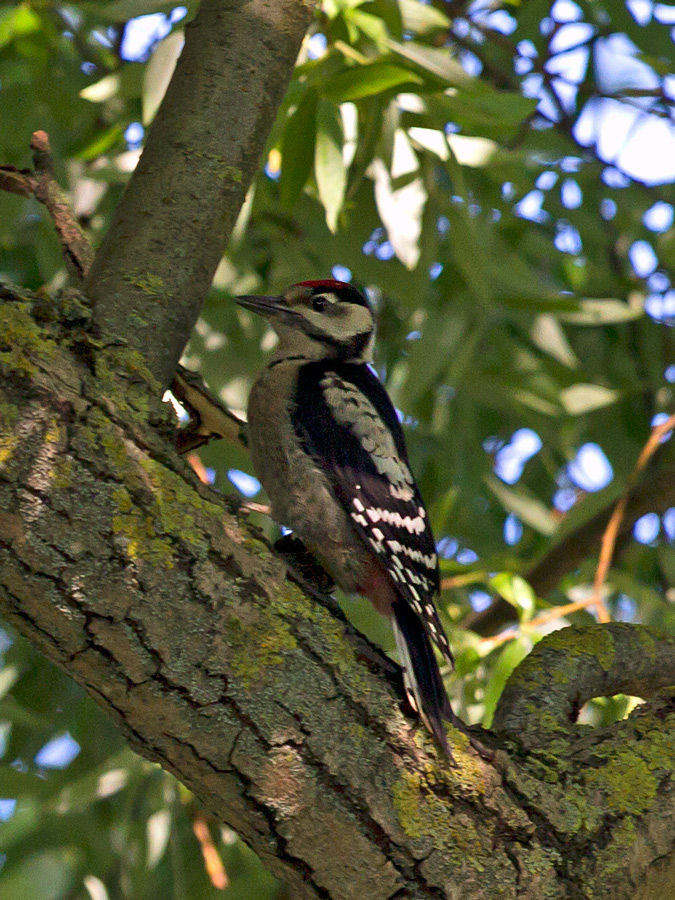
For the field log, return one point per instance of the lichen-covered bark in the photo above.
(146, 588)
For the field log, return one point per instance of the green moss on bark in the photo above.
(24, 343)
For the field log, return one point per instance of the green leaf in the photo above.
(121, 10)
(103, 90)
(516, 591)
(554, 304)
(27, 818)
(466, 661)
(297, 149)
(44, 876)
(390, 13)
(666, 556)
(444, 335)
(511, 656)
(329, 165)
(13, 711)
(435, 61)
(8, 678)
(364, 81)
(604, 312)
(548, 334)
(584, 398)
(482, 110)
(372, 26)
(102, 781)
(17, 22)
(422, 18)
(101, 144)
(159, 71)
(523, 504)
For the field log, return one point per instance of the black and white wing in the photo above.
(346, 420)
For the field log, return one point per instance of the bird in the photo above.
(327, 446)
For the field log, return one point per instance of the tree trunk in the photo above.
(145, 587)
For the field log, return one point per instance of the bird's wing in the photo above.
(346, 421)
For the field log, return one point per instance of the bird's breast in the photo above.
(299, 490)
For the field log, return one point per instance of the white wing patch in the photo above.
(393, 517)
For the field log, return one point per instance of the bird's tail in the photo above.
(421, 675)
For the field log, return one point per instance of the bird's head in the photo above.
(318, 320)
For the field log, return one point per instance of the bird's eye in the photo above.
(318, 304)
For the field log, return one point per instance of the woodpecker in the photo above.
(327, 446)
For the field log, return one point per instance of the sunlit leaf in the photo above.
(363, 81)
(329, 164)
(298, 148)
(17, 22)
(102, 90)
(400, 205)
(584, 398)
(421, 17)
(516, 591)
(158, 826)
(370, 25)
(158, 72)
(438, 62)
(604, 312)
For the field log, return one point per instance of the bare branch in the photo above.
(209, 418)
(41, 183)
(611, 532)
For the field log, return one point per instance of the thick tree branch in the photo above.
(571, 666)
(140, 583)
(157, 260)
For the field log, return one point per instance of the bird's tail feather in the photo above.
(421, 675)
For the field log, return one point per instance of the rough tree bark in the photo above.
(146, 588)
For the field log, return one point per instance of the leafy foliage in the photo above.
(477, 170)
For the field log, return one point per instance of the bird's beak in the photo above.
(268, 307)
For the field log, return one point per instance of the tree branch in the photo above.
(138, 581)
(157, 260)
(655, 494)
(572, 666)
(209, 418)
(41, 183)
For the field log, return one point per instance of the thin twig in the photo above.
(212, 861)
(557, 612)
(457, 581)
(654, 494)
(611, 532)
(41, 183)
(608, 544)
